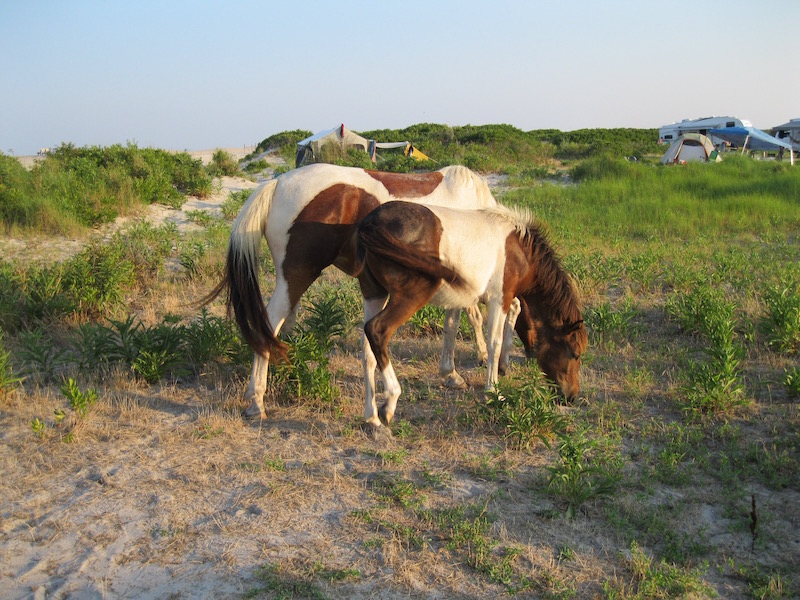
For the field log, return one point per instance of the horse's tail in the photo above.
(240, 279)
(383, 244)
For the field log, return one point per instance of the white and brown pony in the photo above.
(309, 217)
(415, 255)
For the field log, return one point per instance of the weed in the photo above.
(40, 354)
(713, 386)
(609, 326)
(231, 207)
(791, 380)
(38, 426)
(274, 464)
(662, 580)
(782, 322)
(8, 381)
(526, 413)
(577, 478)
(79, 401)
(283, 586)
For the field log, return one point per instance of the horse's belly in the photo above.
(448, 297)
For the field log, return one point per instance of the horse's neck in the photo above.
(551, 296)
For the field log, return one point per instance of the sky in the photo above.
(195, 74)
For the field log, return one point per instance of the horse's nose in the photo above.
(569, 390)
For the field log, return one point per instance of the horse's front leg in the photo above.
(278, 309)
(508, 336)
(447, 364)
(496, 321)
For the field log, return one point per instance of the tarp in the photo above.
(750, 138)
(690, 147)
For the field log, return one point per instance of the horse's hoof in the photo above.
(483, 360)
(254, 413)
(454, 381)
(377, 433)
(385, 418)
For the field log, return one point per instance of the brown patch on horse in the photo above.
(408, 185)
(408, 236)
(322, 235)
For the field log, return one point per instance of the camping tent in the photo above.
(689, 147)
(309, 148)
(750, 138)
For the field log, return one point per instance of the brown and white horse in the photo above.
(309, 217)
(415, 255)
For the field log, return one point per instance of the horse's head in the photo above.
(559, 354)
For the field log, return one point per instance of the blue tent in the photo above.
(750, 137)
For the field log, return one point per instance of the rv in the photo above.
(789, 132)
(669, 133)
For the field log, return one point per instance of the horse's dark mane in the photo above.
(551, 287)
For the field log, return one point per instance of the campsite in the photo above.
(129, 469)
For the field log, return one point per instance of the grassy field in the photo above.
(127, 468)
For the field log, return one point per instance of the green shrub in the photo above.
(223, 163)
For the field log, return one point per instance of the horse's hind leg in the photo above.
(403, 303)
(447, 366)
(371, 308)
(476, 320)
(278, 309)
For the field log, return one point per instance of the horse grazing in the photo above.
(309, 217)
(416, 255)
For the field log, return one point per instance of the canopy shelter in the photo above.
(408, 149)
(690, 147)
(309, 148)
(750, 138)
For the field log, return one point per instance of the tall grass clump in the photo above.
(782, 320)
(714, 384)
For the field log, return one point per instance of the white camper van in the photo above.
(669, 133)
(789, 132)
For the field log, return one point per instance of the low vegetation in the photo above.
(676, 475)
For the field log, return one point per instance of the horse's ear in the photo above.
(574, 326)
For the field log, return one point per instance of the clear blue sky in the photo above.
(192, 74)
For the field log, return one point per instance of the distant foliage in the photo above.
(73, 188)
